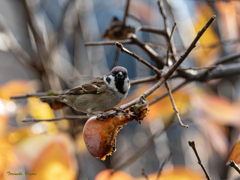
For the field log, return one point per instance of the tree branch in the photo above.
(234, 165)
(192, 144)
(174, 106)
(173, 68)
(143, 80)
(126, 12)
(166, 94)
(169, 43)
(80, 117)
(124, 50)
(108, 43)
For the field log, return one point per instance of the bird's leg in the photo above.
(118, 110)
(101, 115)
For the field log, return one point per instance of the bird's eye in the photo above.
(108, 79)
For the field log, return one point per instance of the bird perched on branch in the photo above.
(100, 94)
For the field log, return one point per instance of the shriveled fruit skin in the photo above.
(100, 136)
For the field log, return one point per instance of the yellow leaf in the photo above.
(118, 175)
(203, 55)
(7, 156)
(40, 110)
(15, 87)
(54, 163)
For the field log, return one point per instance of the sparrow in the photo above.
(100, 94)
(117, 30)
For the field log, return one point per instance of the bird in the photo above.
(98, 95)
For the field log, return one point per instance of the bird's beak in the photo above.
(120, 75)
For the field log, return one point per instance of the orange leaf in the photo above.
(118, 175)
(235, 154)
(218, 109)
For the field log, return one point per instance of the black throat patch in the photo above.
(119, 83)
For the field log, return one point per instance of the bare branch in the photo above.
(152, 30)
(144, 174)
(160, 5)
(161, 167)
(190, 48)
(29, 95)
(192, 144)
(157, 47)
(126, 12)
(174, 106)
(108, 43)
(234, 165)
(29, 16)
(173, 68)
(134, 17)
(166, 94)
(80, 117)
(228, 58)
(17, 50)
(169, 42)
(124, 50)
(143, 80)
(198, 68)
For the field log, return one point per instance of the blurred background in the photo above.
(42, 48)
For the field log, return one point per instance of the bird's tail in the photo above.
(55, 102)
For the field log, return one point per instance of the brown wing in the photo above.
(96, 86)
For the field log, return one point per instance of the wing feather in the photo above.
(96, 86)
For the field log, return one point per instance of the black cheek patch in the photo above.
(108, 79)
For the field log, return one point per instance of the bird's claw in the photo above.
(102, 116)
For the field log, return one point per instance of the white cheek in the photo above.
(126, 85)
(112, 83)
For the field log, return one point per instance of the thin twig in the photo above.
(163, 164)
(108, 43)
(160, 5)
(134, 17)
(166, 94)
(174, 106)
(234, 165)
(151, 52)
(143, 80)
(17, 50)
(116, 58)
(144, 174)
(192, 144)
(124, 50)
(126, 12)
(38, 39)
(198, 68)
(35, 95)
(157, 47)
(80, 117)
(173, 68)
(169, 42)
(190, 48)
(152, 30)
(29, 95)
